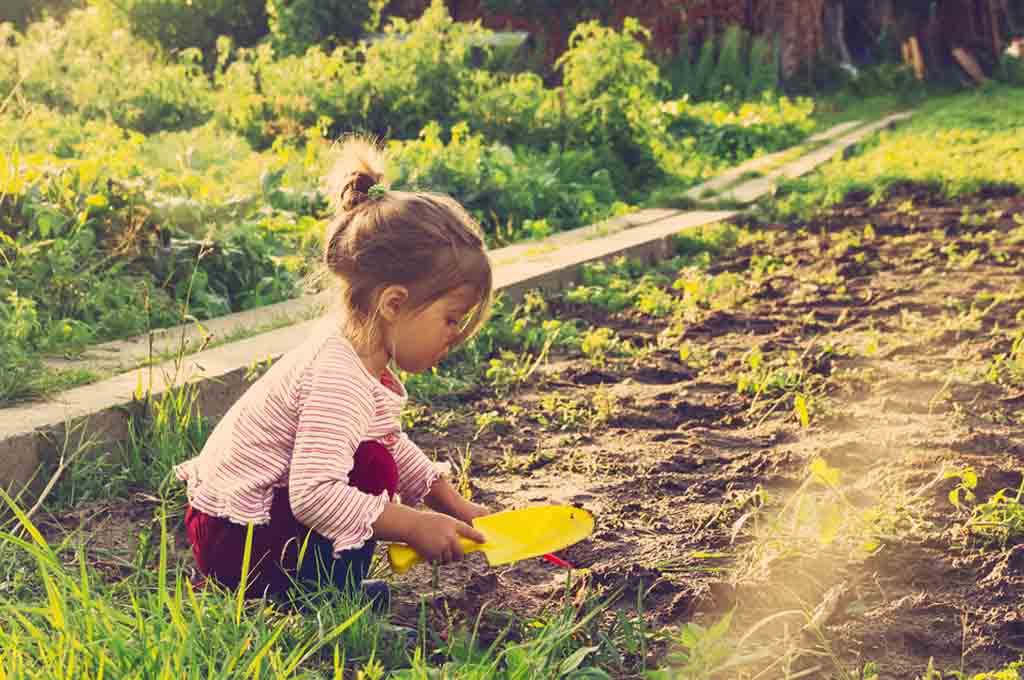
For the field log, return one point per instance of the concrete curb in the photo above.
(751, 191)
(34, 436)
(733, 175)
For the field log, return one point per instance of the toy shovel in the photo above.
(514, 535)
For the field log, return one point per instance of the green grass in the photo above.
(841, 108)
(959, 144)
(153, 624)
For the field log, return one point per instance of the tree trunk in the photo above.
(997, 41)
(835, 31)
(802, 33)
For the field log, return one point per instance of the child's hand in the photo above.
(470, 511)
(436, 537)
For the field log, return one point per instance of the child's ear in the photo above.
(392, 299)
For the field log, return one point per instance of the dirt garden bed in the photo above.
(785, 452)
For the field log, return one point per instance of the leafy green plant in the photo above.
(621, 284)
(597, 344)
(729, 78)
(998, 519)
(565, 189)
(85, 65)
(612, 92)
(22, 12)
(775, 381)
(1008, 367)
(513, 108)
(764, 74)
(298, 25)
(701, 653)
(1001, 517)
(564, 414)
(729, 66)
(410, 77)
(511, 463)
(563, 644)
(177, 25)
(1011, 671)
(498, 422)
(737, 131)
(706, 652)
(510, 370)
(698, 88)
(19, 324)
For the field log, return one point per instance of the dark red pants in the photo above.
(218, 544)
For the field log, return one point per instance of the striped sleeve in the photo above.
(334, 416)
(416, 472)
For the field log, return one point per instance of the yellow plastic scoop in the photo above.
(514, 535)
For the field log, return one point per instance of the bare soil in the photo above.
(680, 460)
(687, 478)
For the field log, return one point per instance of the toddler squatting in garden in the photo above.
(314, 448)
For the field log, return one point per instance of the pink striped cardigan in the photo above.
(298, 427)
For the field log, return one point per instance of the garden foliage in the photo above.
(732, 66)
(142, 184)
(179, 25)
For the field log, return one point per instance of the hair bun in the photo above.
(356, 189)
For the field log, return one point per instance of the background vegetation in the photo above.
(153, 170)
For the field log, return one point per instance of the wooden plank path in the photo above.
(33, 436)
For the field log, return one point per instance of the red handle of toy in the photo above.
(558, 561)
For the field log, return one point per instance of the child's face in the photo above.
(423, 338)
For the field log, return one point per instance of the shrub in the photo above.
(611, 92)
(725, 68)
(515, 109)
(515, 193)
(266, 99)
(390, 87)
(19, 329)
(882, 79)
(735, 132)
(729, 79)
(86, 67)
(1011, 69)
(699, 86)
(23, 12)
(86, 252)
(236, 271)
(298, 25)
(177, 25)
(411, 75)
(764, 74)
(678, 70)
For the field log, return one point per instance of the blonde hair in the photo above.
(423, 241)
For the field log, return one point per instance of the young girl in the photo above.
(313, 454)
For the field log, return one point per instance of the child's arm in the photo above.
(434, 536)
